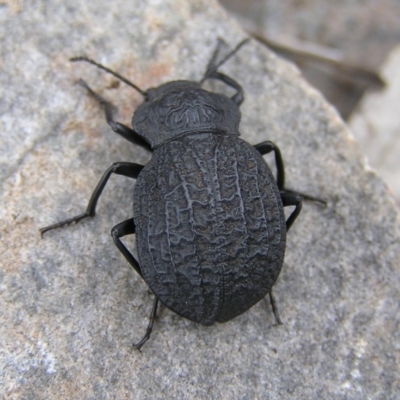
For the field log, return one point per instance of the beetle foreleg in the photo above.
(239, 96)
(124, 131)
(291, 199)
(131, 170)
(213, 67)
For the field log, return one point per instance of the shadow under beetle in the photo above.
(207, 211)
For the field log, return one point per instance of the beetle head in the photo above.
(182, 107)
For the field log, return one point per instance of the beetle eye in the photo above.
(150, 94)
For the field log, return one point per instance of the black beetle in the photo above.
(207, 211)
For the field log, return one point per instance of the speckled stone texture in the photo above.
(70, 304)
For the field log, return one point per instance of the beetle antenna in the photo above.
(213, 66)
(230, 54)
(90, 61)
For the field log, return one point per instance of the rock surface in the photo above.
(356, 35)
(359, 32)
(71, 306)
(376, 125)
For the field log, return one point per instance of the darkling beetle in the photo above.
(207, 211)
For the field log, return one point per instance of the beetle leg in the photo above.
(291, 199)
(149, 329)
(274, 308)
(213, 66)
(124, 131)
(128, 228)
(239, 96)
(122, 229)
(265, 148)
(130, 170)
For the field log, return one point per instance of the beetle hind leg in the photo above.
(128, 228)
(272, 300)
(149, 329)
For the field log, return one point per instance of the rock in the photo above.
(71, 306)
(376, 125)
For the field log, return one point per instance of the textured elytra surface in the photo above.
(209, 225)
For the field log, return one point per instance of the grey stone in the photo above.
(359, 32)
(70, 304)
(338, 45)
(376, 125)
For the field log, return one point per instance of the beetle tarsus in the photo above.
(149, 329)
(272, 300)
(311, 198)
(66, 222)
(130, 170)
